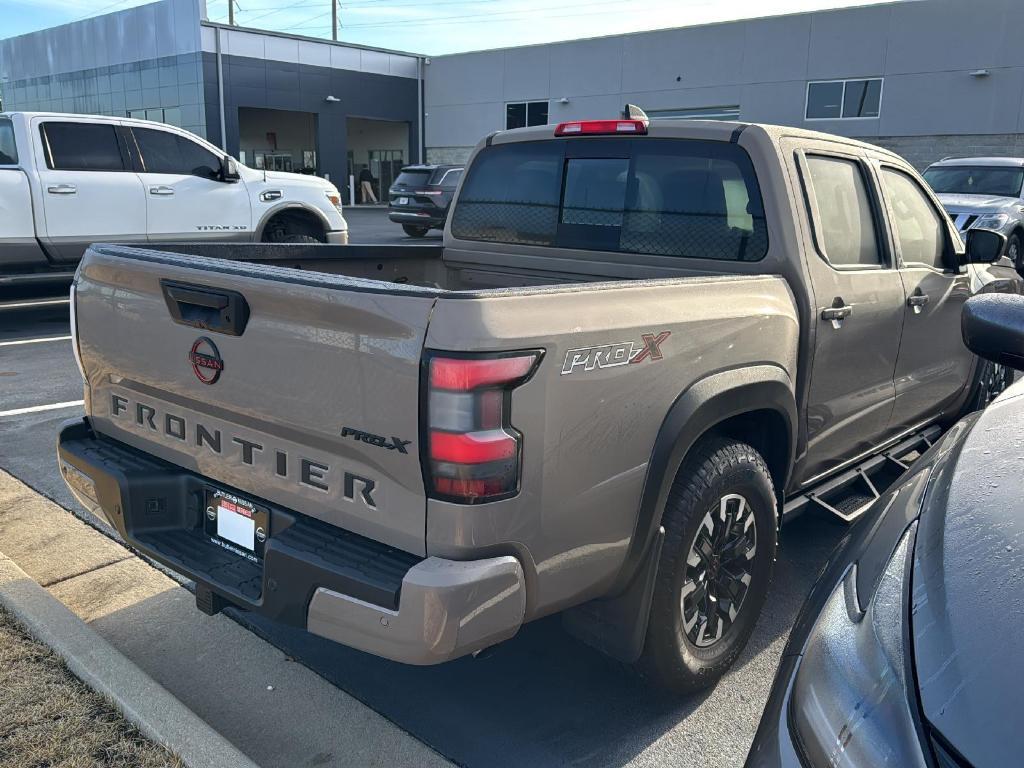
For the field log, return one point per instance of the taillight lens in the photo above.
(601, 127)
(473, 453)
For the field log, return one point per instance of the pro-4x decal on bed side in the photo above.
(612, 355)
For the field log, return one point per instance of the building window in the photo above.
(844, 99)
(169, 115)
(521, 114)
(697, 113)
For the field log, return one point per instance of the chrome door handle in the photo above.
(62, 189)
(161, 190)
(917, 301)
(838, 312)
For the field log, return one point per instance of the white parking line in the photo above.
(37, 408)
(34, 341)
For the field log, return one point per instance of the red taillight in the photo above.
(601, 127)
(473, 453)
(463, 374)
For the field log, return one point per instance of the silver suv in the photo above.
(984, 193)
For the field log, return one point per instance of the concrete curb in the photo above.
(143, 702)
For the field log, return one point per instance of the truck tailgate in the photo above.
(313, 406)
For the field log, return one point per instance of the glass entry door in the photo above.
(385, 165)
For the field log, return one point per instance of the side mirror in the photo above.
(992, 325)
(229, 169)
(984, 246)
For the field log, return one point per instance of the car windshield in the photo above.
(976, 180)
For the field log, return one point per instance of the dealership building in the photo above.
(926, 78)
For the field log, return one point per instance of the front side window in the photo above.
(845, 224)
(695, 199)
(165, 152)
(919, 230)
(81, 147)
(844, 99)
(523, 114)
(1001, 181)
(8, 150)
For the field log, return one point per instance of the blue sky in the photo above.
(437, 26)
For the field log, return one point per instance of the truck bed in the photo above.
(424, 266)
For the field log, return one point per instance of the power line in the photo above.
(463, 18)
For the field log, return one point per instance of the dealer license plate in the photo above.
(236, 524)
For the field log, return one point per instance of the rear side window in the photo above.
(166, 152)
(845, 225)
(447, 178)
(694, 199)
(82, 147)
(8, 152)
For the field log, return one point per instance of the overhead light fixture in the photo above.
(564, 100)
(332, 99)
(979, 73)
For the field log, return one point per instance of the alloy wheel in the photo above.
(718, 571)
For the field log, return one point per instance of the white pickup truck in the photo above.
(70, 180)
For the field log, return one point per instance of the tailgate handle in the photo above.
(212, 309)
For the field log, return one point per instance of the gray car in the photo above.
(984, 193)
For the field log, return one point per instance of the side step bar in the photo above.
(849, 494)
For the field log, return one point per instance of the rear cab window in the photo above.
(8, 149)
(665, 197)
(70, 146)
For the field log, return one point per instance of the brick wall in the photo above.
(448, 155)
(922, 151)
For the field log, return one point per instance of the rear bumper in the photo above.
(313, 575)
(421, 217)
(338, 237)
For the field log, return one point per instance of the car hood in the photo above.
(298, 178)
(976, 203)
(968, 591)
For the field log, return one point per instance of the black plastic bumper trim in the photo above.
(157, 508)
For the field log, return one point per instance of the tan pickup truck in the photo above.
(641, 345)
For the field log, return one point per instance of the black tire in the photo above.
(989, 383)
(413, 231)
(1015, 252)
(714, 474)
(299, 239)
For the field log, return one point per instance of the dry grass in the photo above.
(50, 719)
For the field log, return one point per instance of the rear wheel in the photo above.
(298, 239)
(413, 231)
(716, 563)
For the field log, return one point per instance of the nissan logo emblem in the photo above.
(207, 363)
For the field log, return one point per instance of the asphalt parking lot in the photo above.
(540, 699)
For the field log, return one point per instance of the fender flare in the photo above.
(703, 405)
(289, 204)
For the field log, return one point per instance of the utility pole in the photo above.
(334, 19)
(231, 13)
